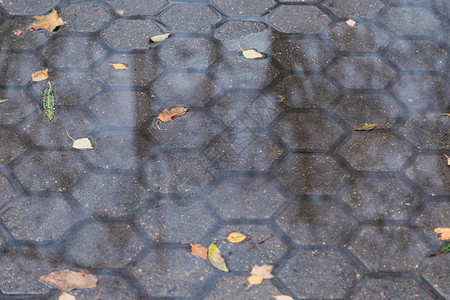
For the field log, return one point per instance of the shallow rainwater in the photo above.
(267, 148)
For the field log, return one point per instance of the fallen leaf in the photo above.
(448, 159)
(236, 237)
(83, 143)
(119, 66)
(167, 115)
(120, 12)
(4, 100)
(39, 75)
(67, 280)
(199, 250)
(282, 297)
(159, 37)
(47, 22)
(216, 258)
(365, 127)
(251, 53)
(66, 296)
(18, 32)
(48, 102)
(444, 232)
(350, 22)
(444, 249)
(448, 115)
(265, 271)
(255, 279)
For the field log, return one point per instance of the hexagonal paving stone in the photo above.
(305, 91)
(30, 40)
(240, 149)
(410, 20)
(69, 88)
(24, 7)
(358, 109)
(430, 173)
(392, 288)
(49, 170)
(441, 7)
(244, 198)
(417, 55)
(299, 131)
(310, 221)
(45, 133)
(6, 191)
(197, 53)
(422, 92)
(73, 52)
(178, 172)
(21, 268)
(428, 131)
(310, 173)
(246, 34)
(101, 245)
(299, 19)
(238, 72)
(388, 248)
(363, 37)
(307, 272)
(252, 109)
(437, 274)
(15, 146)
(15, 68)
(230, 287)
(379, 198)
(142, 69)
(109, 195)
(118, 150)
(190, 17)
(17, 107)
(165, 221)
(434, 215)
(374, 151)
(47, 218)
(122, 108)
(248, 8)
(84, 17)
(178, 89)
(172, 273)
(361, 9)
(139, 7)
(130, 34)
(302, 55)
(362, 72)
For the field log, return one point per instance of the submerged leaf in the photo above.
(47, 22)
(67, 280)
(159, 37)
(444, 232)
(167, 115)
(236, 237)
(216, 258)
(365, 127)
(48, 102)
(199, 250)
(83, 143)
(40, 75)
(265, 271)
(255, 279)
(119, 66)
(4, 100)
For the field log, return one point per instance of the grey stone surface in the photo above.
(190, 17)
(299, 19)
(16, 69)
(430, 173)
(245, 34)
(18, 106)
(391, 288)
(24, 7)
(248, 8)
(361, 9)
(84, 17)
(16, 146)
(139, 7)
(411, 20)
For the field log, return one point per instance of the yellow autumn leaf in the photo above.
(83, 143)
(216, 258)
(39, 75)
(350, 22)
(160, 37)
(444, 232)
(236, 237)
(282, 297)
(365, 127)
(251, 53)
(265, 271)
(255, 279)
(47, 22)
(119, 66)
(4, 100)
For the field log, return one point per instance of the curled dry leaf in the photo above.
(236, 237)
(265, 271)
(47, 22)
(255, 279)
(216, 258)
(66, 296)
(199, 250)
(83, 143)
(166, 115)
(350, 22)
(67, 280)
(119, 66)
(39, 75)
(159, 37)
(365, 127)
(282, 297)
(444, 232)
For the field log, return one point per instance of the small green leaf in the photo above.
(365, 127)
(3, 100)
(216, 258)
(159, 37)
(48, 102)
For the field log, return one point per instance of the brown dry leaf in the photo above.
(350, 22)
(47, 22)
(444, 232)
(255, 279)
(282, 297)
(18, 32)
(365, 127)
(448, 115)
(236, 237)
(65, 296)
(119, 66)
(39, 75)
(199, 250)
(67, 280)
(448, 159)
(167, 115)
(265, 271)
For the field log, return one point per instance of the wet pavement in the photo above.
(266, 149)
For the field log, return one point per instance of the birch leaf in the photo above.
(265, 271)
(159, 37)
(216, 258)
(119, 66)
(365, 127)
(255, 279)
(282, 297)
(444, 232)
(67, 280)
(236, 237)
(47, 22)
(199, 250)
(4, 100)
(167, 115)
(39, 75)
(83, 143)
